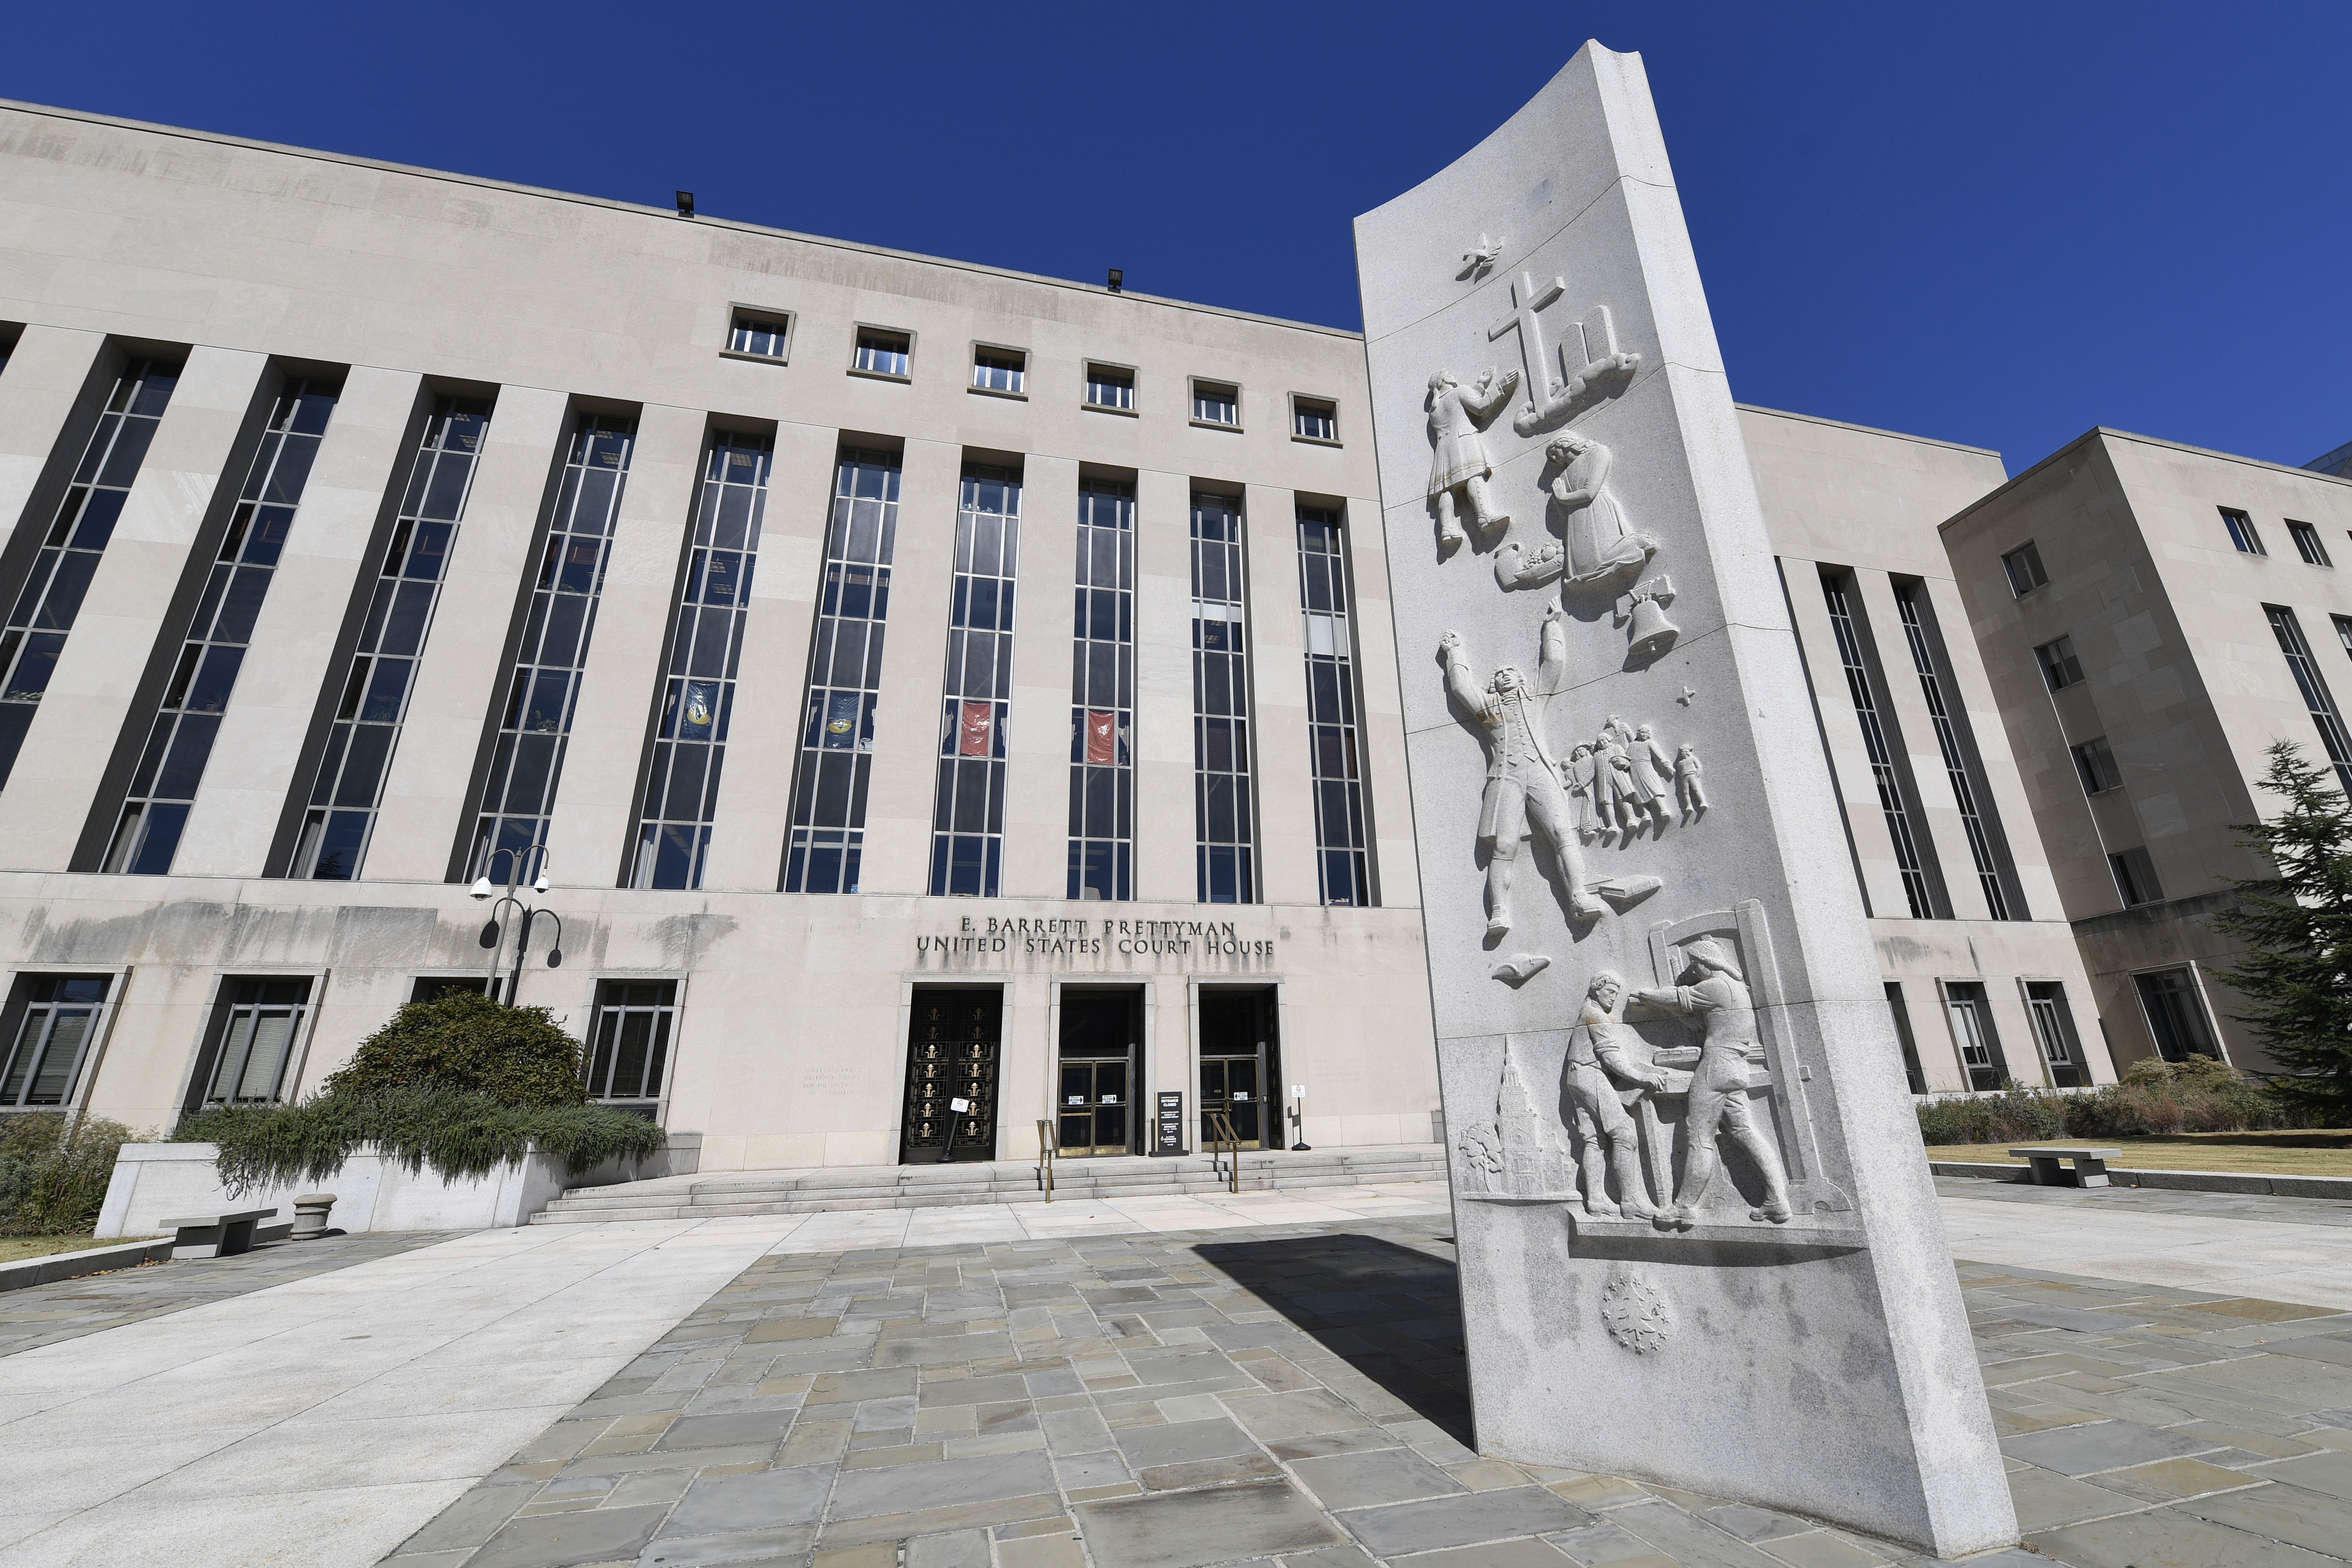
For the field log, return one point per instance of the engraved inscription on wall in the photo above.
(995, 942)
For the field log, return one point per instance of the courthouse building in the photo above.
(937, 702)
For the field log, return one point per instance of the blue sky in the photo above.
(1997, 223)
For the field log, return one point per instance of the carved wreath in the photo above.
(1636, 1312)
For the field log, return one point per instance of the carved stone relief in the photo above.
(1588, 354)
(1459, 463)
(1636, 1312)
(1522, 1152)
(1649, 632)
(1480, 258)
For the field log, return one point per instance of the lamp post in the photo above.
(494, 939)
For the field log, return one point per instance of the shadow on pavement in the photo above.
(1391, 1312)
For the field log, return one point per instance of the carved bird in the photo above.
(1480, 257)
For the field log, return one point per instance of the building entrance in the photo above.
(1241, 1065)
(1100, 1062)
(951, 1051)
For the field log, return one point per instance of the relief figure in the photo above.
(1460, 462)
(1714, 992)
(1600, 542)
(1598, 1058)
(1690, 786)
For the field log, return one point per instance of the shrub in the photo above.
(468, 1043)
(461, 1134)
(2156, 1099)
(53, 1170)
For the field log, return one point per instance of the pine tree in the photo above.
(2296, 931)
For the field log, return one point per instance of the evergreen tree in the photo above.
(2296, 929)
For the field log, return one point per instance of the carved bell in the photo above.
(1652, 633)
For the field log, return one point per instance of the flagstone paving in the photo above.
(68, 1309)
(1294, 1398)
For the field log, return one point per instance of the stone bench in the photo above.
(221, 1234)
(2090, 1164)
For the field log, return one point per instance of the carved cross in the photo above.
(1528, 299)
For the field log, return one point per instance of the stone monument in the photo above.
(1699, 1244)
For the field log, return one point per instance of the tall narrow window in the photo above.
(2314, 686)
(706, 641)
(180, 739)
(2343, 631)
(2053, 1030)
(256, 1026)
(2307, 543)
(2175, 1014)
(1916, 888)
(2135, 876)
(1224, 842)
(375, 687)
(2023, 565)
(844, 678)
(1102, 697)
(2094, 760)
(629, 1047)
(58, 1019)
(51, 598)
(2059, 668)
(1341, 859)
(1984, 846)
(1903, 1037)
(1972, 1028)
(967, 813)
(544, 687)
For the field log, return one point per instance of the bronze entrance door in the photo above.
(1097, 1068)
(951, 1051)
(1240, 1063)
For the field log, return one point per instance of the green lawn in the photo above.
(17, 1248)
(2300, 1153)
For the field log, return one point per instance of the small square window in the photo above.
(1217, 403)
(760, 336)
(1314, 419)
(2097, 762)
(1110, 387)
(2307, 543)
(883, 352)
(2024, 567)
(999, 370)
(2059, 668)
(2343, 631)
(2136, 878)
(2241, 532)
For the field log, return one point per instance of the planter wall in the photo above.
(155, 1182)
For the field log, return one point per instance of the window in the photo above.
(2241, 532)
(967, 813)
(54, 1019)
(1985, 846)
(2177, 1018)
(2314, 686)
(1225, 868)
(1901, 1011)
(2096, 764)
(1314, 419)
(1110, 387)
(759, 336)
(1893, 799)
(543, 689)
(255, 1026)
(883, 353)
(706, 642)
(374, 688)
(434, 987)
(2059, 666)
(844, 678)
(2054, 1031)
(999, 370)
(2307, 543)
(629, 1047)
(51, 598)
(180, 738)
(1216, 403)
(1102, 697)
(2135, 877)
(2023, 565)
(1972, 1031)
(1343, 863)
(2343, 631)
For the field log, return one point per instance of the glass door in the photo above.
(1096, 1071)
(1231, 1084)
(1094, 1108)
(1240, 1063)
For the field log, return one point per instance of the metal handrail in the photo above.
(1221, 1136)
(1046, 1155)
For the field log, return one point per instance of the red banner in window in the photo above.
(1102, 743)
(979, 722)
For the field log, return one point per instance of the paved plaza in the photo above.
(1271, 1379)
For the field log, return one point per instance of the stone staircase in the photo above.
(824, 1189)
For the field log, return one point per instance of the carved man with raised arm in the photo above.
(1718, 995)
(1598, 1058)
(1459, 462)
(1524, 795)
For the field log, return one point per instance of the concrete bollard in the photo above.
(310, 1214)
